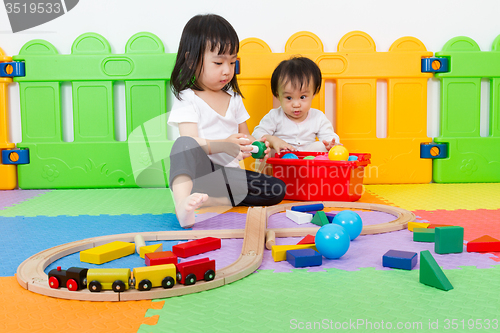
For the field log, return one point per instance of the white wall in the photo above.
(274, 21)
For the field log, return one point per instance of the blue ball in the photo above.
(332, 241)
(290, 156)
(351, 221)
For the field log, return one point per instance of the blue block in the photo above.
(330, 216)
(12, 69)
(308, 208)
(399, 259)
(304, 258)
(442, 64)
(15, 156)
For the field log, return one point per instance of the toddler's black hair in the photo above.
(202, 32)
(300, 71)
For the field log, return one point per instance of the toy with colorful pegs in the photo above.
(258, 150)
(338, 153)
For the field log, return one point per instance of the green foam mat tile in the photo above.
(134, 201)
(281, 302)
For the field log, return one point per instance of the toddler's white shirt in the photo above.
(299, 135)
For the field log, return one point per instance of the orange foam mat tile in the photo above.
(476, 223)
(24, 311)
(440, 196)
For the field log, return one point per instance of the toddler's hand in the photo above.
(329, 145)
(280, 145)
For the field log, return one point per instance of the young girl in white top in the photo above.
(211, 117)
(294, 125)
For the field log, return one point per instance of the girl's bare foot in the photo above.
(185, 209)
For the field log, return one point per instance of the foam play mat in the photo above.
(352, 293)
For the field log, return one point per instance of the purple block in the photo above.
(399, 259)
(330, 216)
(304, 258)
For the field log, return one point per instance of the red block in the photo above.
(160, 258)
(197, 246)
(309, 239)
(484, 244)
(434, 226)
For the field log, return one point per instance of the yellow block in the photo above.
(279, 251)
(150, 249)
(107, 252)
(412, 225)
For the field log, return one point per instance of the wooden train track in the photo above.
(31, 273)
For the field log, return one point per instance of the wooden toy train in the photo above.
(142, 278)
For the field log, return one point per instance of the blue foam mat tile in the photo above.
(23, 237)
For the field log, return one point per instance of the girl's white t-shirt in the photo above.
(211, 125)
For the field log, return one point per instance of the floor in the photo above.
(351, 293)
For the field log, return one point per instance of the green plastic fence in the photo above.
(472, 158)
(95, 158)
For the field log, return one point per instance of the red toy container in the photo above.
(321, 180)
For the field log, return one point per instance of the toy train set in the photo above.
(141, 278)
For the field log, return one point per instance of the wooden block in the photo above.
(107, 252)
(449, 240)
(399, 259)
(431, 274)
(412, 225)
(308, 208)
(304, 258)
(309, 239)
(484, 244)
(299, 217)
(149, 249)
(279, 251)
(160, 258)
(423, 235)
(434, 226)
(197, 246)
(320, 219)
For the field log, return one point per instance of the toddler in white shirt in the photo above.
(294, 126)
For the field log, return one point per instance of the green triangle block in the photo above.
(320, 218)
(431, 274)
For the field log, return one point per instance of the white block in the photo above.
(299, 217)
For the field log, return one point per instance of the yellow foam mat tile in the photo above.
(440, 196)
(23, 311)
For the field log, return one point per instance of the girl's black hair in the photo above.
(200, 33)
(300, 71)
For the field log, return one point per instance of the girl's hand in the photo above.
(329, 145)
(240, 146)
(239, 138)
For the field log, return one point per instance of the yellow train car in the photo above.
(116, 279)
(145, 278)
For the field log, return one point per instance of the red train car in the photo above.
(191, 271)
